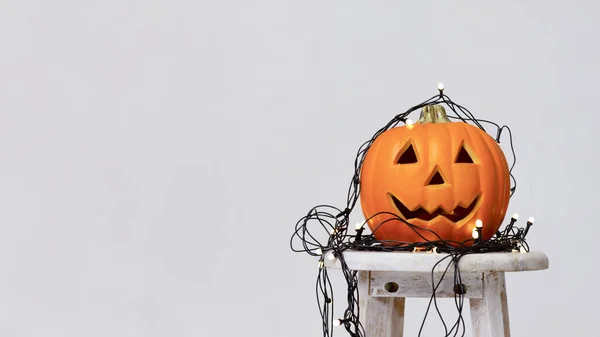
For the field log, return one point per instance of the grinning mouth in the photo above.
(456, 215)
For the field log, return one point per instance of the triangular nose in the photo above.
(436, 179)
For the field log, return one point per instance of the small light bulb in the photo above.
(359, 225)
(337, 322)
(522, 249)
(515, 216)
(478, 223)
(319, 251)
(475, 234)
(333, 230)
(331, 257)
(409, 122)
(515, 251)
(440, 86)
(531, 219)
(321, 264)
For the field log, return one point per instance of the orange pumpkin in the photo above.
(437, 175)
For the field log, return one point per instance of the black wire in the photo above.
(332, 237)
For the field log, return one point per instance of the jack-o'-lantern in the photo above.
(435, 174)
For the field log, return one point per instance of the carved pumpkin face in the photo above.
(435, 174)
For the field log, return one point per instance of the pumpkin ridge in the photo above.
(492, 150)
(501, 181)
(456, 200)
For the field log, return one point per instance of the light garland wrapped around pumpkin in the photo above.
(435, 185)
(437, 175)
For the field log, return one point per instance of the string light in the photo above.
(319, 218)
(359, 230)
(512, 222)
(479, 229)
(339, 322)
(360, 226)
(433, 250)
(530, 222)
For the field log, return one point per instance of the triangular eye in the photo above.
(464, 156)
(409, 156)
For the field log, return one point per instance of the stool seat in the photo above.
(424, 261)
(385, 279)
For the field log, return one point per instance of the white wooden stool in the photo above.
(387, 278)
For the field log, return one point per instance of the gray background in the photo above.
(155, 155)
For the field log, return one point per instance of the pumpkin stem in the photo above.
(433, 114)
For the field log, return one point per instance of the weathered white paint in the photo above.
(380, 316)
(424, 261)
(489, 315)
(363, 295)
(420, 284)
(385, 317)
(382, 313)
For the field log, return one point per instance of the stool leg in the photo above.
(489, 315)
(363, 295)
(381, 316)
